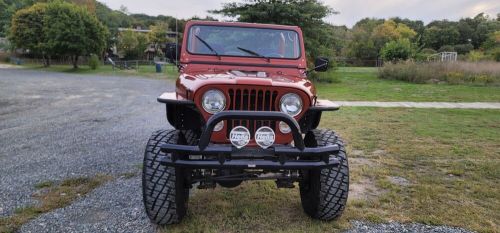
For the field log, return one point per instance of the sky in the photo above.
(351, 11)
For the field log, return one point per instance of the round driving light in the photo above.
(219, 126)
(264, 137)
(284, 128)
(213, 101)
(239, 136)
(291, 104)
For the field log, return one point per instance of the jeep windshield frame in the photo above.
(227, 40)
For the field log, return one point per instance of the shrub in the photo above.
(446, 48)
(428, 51)
(455, 77)
(93, 62)
(477, 73)
(463, 48)
(494, 54)
(475, 56)
(397, 50)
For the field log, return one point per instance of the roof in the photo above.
(240, 24)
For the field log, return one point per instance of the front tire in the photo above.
(324, 192)
(165, 189)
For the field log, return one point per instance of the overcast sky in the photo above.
(350, 10)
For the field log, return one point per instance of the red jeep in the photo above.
(243, 109)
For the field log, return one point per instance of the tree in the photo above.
(27, 31)
(72, 30)
(132, 44)
(7, 9)
(158, 35)
(437, 36)
(390, 31)
(401, 49)
(306, 14)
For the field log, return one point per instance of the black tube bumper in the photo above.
(228, 157)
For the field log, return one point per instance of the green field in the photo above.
(362, 84)
(438, 167)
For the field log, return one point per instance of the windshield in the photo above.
(243, 42)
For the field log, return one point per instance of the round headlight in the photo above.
(213, 101)
(291, 104)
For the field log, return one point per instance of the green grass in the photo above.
(362, 84)
(450, 158)
(169, 71)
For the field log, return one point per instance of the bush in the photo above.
(494, 54)
(477, 73)
(475, 56)
(397, 50)
(463, 48)
(428, 51)
(446, 48)
(93, 62)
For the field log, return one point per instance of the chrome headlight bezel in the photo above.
(205, 103)
(296, 100)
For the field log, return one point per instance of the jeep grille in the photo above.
(251, 100)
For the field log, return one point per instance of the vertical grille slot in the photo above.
(251, 100)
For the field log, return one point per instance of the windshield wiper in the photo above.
(208, 46)
(254, 53)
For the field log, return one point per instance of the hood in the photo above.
(191, 82)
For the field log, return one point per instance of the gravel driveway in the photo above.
(54, 126)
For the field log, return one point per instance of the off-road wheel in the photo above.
(324, 192)
(165, 188)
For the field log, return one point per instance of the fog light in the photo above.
(239, 136)
(264, 137)
(219, 126)
(284, 128)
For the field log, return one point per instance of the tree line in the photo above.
(37, 25)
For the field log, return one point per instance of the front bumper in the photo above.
(277, 157)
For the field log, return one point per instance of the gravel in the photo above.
(54, 126)
(395, 227)
(114, 207)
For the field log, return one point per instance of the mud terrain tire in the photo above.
(165, 192)
(324, 192)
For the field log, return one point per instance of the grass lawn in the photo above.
(362, 84)
(437, 167)
(169, 71)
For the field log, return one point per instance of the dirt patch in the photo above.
(379, 152)
(399, 181)
(357, 153)
(356, 162)
(364, 189)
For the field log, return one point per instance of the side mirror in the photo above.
(321, 64)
